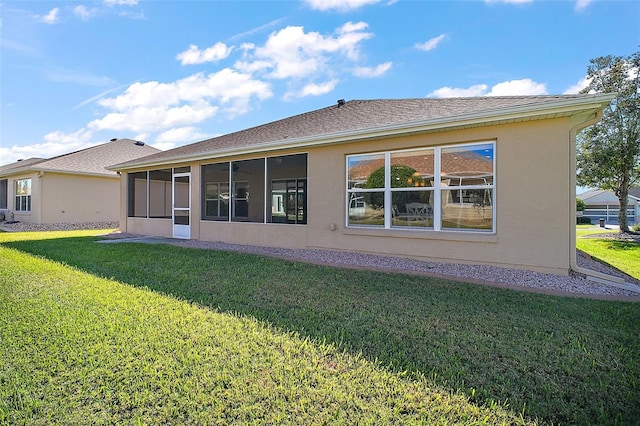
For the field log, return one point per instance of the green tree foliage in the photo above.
(400, 176)
(609, 151)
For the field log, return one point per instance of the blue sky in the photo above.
(78, 73)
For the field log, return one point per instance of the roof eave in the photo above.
(563, 107)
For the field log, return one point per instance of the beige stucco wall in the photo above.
(533, 204)
(66, 198)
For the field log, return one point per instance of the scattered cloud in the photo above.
(194, 55)
(170, 138)
(371, 72)
(314, 89)
(78, 77)
(49, 18)
(339, 5)
(455, 92)
(121, 2)
(154, 106)
(518, 87)
(55, 143)
(507, 88)
(431, 43)
(582, 5)
(576, 88)
(83, 13)
(256, 30)
(291, 53)
(168, 114)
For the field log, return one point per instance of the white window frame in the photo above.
(437, 189)
(22, 201)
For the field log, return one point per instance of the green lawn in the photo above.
(133, 333)
(620, 254)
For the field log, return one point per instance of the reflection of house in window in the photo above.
(461, 199)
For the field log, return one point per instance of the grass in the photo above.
(104, 333)
(623, 255)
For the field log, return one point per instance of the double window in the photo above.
(271, 190)
(440, 188)
(23, 195)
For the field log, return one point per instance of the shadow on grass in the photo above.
(561, 360)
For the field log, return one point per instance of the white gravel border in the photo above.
(574, 284)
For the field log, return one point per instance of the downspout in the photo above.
(573, 261)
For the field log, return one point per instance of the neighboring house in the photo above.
(601, 204)
(475, 180)
(69, 188)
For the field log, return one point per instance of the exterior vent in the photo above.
(114, 139)
(138, 143)
(340, 102)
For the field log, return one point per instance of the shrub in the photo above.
(580, 205)
(584, 220)
(636, 227)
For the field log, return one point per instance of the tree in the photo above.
(400, 176)
(608, 155)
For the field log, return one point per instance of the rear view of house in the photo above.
(70, 188)
(472, 180)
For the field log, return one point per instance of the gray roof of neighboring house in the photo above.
(89, 161)
(634, 192)
(348, 120)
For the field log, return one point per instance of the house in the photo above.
(601, 204)
(474, 180)
(70, 188)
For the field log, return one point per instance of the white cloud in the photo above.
(49, 18)
(121, 2)
(256, 29)
(149, 119)
(431, 43)
(576, 88)
(178, 136)
(582, 5)
(292, 53)
(55, 143)
(369, 72)
(452, 92)
(194, 55)
(154, 106)
(314, 89)
(83, 13)
(522, 87)
(518, 87)
(339, 5)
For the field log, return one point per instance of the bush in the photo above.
(636, 227)
(580, 205)
(584, 220)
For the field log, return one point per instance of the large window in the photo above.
(23, 195)
(149, 194)
(400, 190)
(271, 190)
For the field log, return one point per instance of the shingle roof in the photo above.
(357, 115)
(93, 160)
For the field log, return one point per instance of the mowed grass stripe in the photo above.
(78, 349)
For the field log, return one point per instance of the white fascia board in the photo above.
(564, 107)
